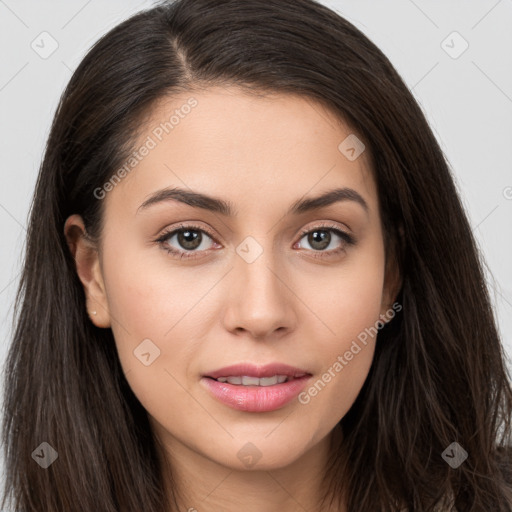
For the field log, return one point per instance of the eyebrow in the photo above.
(214, 204)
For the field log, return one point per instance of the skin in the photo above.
(218, 309)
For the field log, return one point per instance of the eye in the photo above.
(188, 240)
(320, 238)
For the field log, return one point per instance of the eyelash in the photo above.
(346, 238)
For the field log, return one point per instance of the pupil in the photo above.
(189, 239)
(322, 238)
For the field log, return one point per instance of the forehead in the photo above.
(249, 148)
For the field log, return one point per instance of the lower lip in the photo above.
(255, 398)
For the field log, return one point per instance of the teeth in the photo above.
(244, 380)
(251, 381)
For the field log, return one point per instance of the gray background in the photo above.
(467, 97)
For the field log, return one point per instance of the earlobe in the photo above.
(87, 264)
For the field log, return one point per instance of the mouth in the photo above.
(246, 373)
(250, 388)
(247, 380)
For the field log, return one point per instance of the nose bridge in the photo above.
(260, 302)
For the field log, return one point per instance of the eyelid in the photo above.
(327, 225)
(184, 226)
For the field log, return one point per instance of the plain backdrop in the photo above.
(455, 56)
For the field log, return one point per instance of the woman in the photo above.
(250, 283)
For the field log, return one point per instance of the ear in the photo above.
(393, 278)
(87, 264)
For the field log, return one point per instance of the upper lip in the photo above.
(251, 370)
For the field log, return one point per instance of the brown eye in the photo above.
(326, 239)
(189, 239)
(319, 239)
(186, 241)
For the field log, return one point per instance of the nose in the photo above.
(261, 301)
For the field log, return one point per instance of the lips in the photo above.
(251, 388)
(245, 380)
(251, 370)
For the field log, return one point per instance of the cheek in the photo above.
(332, 392)
(351, 301)
(148, 307)
(147, 296)
(350, 308)
(347, 359)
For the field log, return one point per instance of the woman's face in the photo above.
(243, 286)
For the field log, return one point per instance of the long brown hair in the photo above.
(438, 375)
